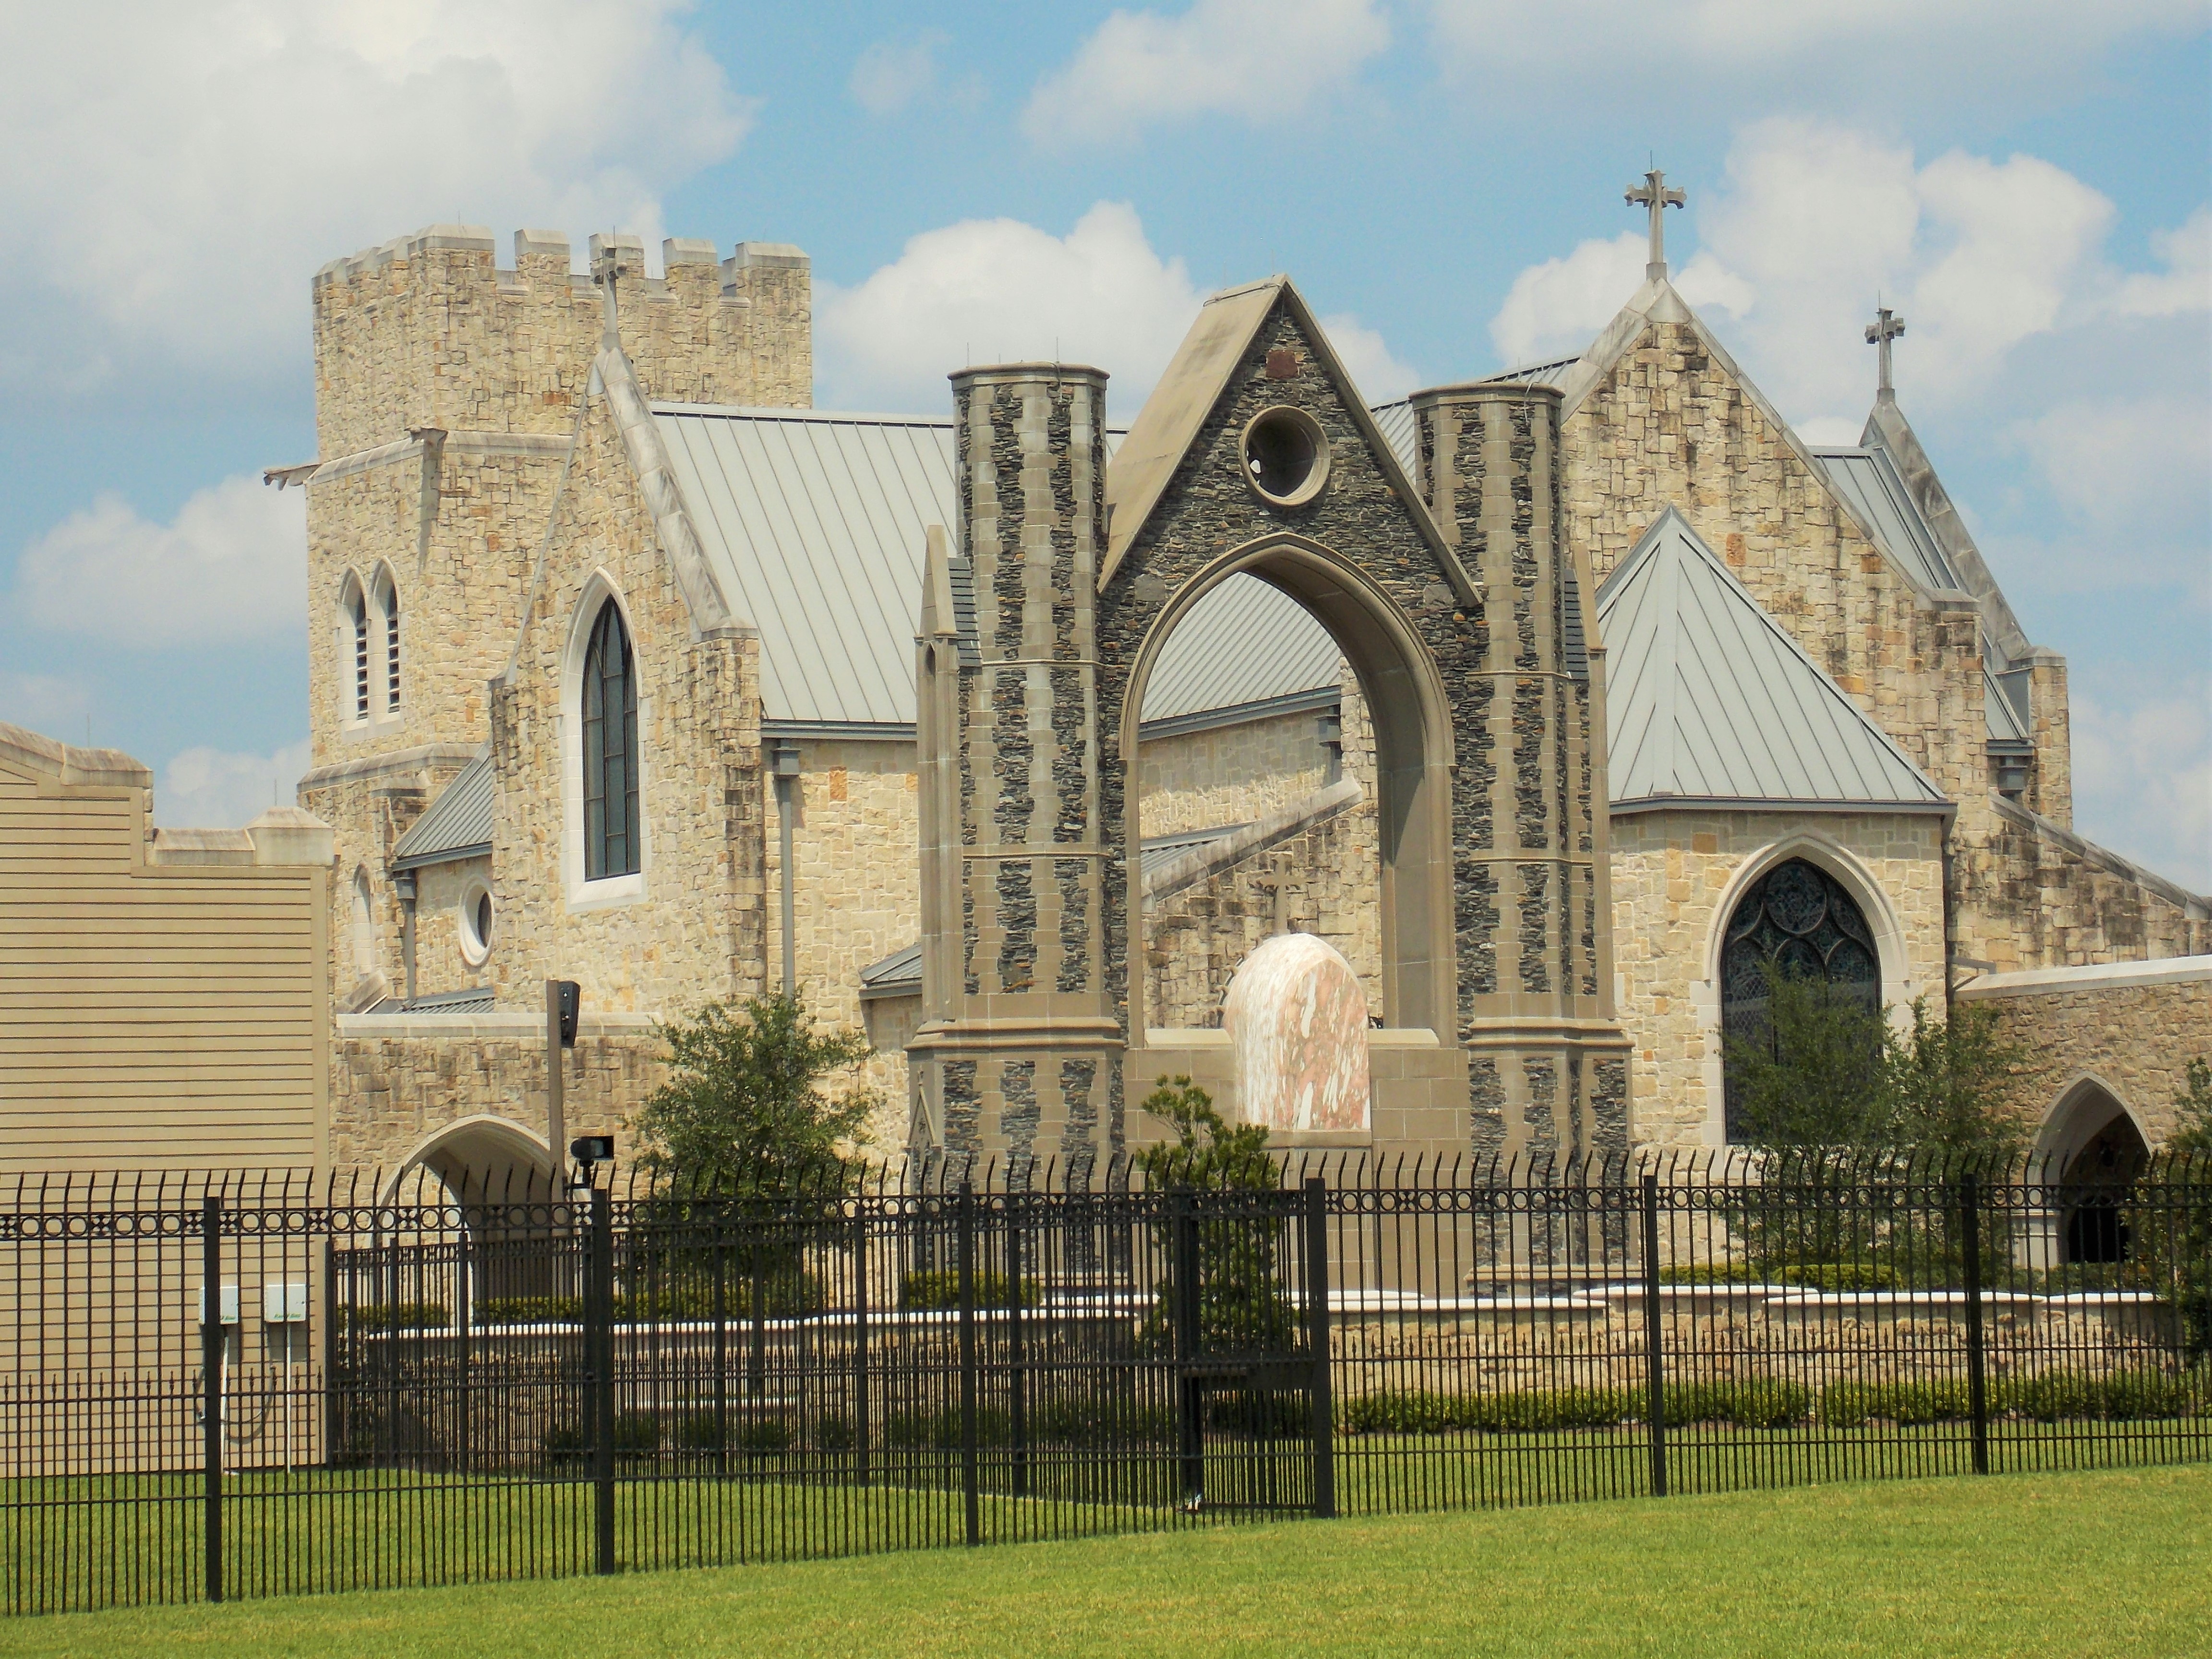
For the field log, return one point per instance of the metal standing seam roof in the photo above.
(1869, 482)
(814, 524)
(457, 825)
(1710, 699)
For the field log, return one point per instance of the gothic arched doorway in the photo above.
(1797, 919)
(2090, 1151)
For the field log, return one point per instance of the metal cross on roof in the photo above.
(1653, 194)
(1886, 326)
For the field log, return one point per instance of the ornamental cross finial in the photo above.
(1886, 326)
(607, 268)
(1654, 196)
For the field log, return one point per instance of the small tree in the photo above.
(1241, 1306)
(2192, 1227)
(1811, 1075)
(1944, 1085)
(743, 1108)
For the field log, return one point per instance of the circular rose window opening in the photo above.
(1286, 456)
(476, 924)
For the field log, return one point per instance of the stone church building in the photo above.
(1547, 708)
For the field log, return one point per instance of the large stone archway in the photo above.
(1044, 612)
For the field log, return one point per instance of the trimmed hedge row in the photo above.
(930, 1291)
(2051, 1397)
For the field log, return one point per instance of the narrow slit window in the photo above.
(360, 656)
(392, 647)
(611, 837)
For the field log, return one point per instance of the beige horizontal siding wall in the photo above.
(152, 1015)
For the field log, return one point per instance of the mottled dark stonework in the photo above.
(1538, 1115)
(1017, 918)
(1018, 1119)
(963, 1112)
(1608, 1098)
(1584, 826)
(1077, 1078)
(1485, 1109)
(1071, 778)
(1535, 967)
(1528, 766)
(1010, 754)
(1589, 937)
(1009, 577)
(1074, 974)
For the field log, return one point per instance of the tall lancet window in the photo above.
(610, 840)
(1798, 920)
(360, 655)
(391, 608)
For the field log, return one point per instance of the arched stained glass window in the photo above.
(610, 840)
(1799, 918)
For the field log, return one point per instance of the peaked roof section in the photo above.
(457, 825)
(1867, 481)
(1710, 699)
(1139, 471)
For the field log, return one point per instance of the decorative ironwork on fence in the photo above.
(224, 1386)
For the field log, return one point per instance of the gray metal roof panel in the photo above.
(1399, 428)
(456, 825)
(1549, 372)
(1869, 482)
(2005, 723)
(1708, 697)
(1245, 642)
(814, 523)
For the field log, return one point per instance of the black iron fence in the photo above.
(222, 1387)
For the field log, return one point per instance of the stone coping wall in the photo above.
(2131, 1029)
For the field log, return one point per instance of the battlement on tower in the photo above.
(429, 330)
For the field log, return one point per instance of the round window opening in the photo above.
(476, 925)
(1286, 456)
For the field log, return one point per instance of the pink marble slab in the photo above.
(1297, 1020)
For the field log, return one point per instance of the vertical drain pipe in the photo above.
(783, 760)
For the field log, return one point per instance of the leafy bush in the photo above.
(924, 1292)
(763, 1436)
(637, 1433)
(396, 1316)
(940, 1430)
(2117, 1397)
(1535, 1410)
(699, 1432)
(1833, 1276)
(1909, 1405)
(833, 1434)
(1759, 1403)
(1087, 1422)
(787, 1294)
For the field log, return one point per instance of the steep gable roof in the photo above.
(1710, 699)
(1197, 379)
(457, 825)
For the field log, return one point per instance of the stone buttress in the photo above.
(1548, 1062)
(1019, 1045)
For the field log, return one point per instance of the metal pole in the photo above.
(213, 1338)
(1324, 1413)
(860, 1340)
(722, 1347)
(556, 1115)
(786, 781)
(1978, 1398)
(967, 1365)
(1653, 1362)
(1018, 1404)
(600, 1339)
(1190, 1392)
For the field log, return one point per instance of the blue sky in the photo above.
(2027, 182)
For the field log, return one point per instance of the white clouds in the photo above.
(181, 171)
(212, 789)
(230, 566)
(1260, 60)
(2135, 476)
(1556, 308)
(2185, 285)
(2142, 780)
(1892, 49)
(1366, 357)
(891, 74)
(997, 290)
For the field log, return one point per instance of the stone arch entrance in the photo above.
(484, 1160)
(2089, 1149)
(1413, 751)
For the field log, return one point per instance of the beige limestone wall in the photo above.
(1229, 774)
(1669, 424)
(2035, 896)
(1675, 874)
(857, 892)
(403, 1078)
(2132, 1033)
(441, 952)
(688, 927)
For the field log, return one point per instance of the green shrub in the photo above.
(1909, 1405)
(1833, 1276)
(637, 1434)
(1533, 1411)
(785, 1295)
(924, 1291)
(699, 1432)
(1113, 1423)
(1758, 1403)
(530, 1310)
(2051, 1396)
(764, 1436)
(833, 1434)
(940, 1430)
(564, 1439)
(396, 1316)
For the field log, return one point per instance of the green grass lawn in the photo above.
(2105, 1563)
